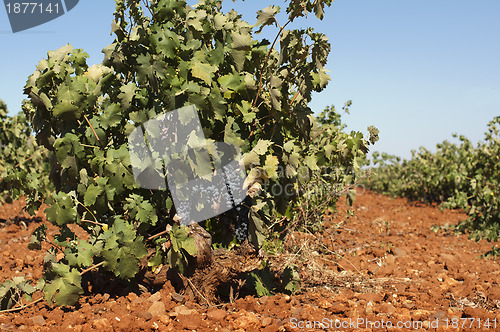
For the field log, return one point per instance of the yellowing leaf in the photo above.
(203, 71)
(241, 41)
(271, 166)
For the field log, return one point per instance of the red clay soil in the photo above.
(381, 269)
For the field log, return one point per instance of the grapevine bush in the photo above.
(458, 175)
(23, 164)
(250, 93)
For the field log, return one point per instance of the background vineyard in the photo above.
(458, 175)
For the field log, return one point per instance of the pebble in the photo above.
(267, 321)
(101, 324)
(181, 310)
(217, 314)
(338, 308)
(177, 297)
(38, 320)
(157, 309)
(132, 296)
(144, 315)
(398, 252)
(438, 315)
(155, 297)
(296, 312)
(387, 308)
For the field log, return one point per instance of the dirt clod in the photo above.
(38, 320)
(157, 309)
(217, 314)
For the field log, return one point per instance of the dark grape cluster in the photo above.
(242, 222)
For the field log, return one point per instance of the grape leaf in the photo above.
(65, 288)
(61, 209)
(203, 71)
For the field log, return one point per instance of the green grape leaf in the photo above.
(231, 81)
(203, 71)
(111, 116)
(165, 41)
(127, 95)
(95, 190)
(82, 255)
(266, 16)
(39, 235)
(65, 288)
(61, 209)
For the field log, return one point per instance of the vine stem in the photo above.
(91, 268)
(95, 134)
(267, 58)
(197, 291)
(21, 307)
(93, 222)
(22, 162)
(157, 235)
(321, 132)
(294, 97)
(86, 208)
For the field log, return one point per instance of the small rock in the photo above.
(8, 327)
(448, 257)
(439, 315)
(98, 310)
(101, 324)
(181, 310)
(387, 308)
(288, 298)
(470, 312)
(369, 308)
(324, 304)
(165, 319)
(188, 323)
(296, 312)
(420, 314)
(398, 252)
(157, 309)
(132, 296)
(155, 297)
(371, 297)
(38, 320)
(267, 321)
(144, 315)
(263, 299)
(177, 297)
(338, 308)
(217, 314)
(247, 321)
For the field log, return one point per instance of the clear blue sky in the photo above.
(417, 70)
